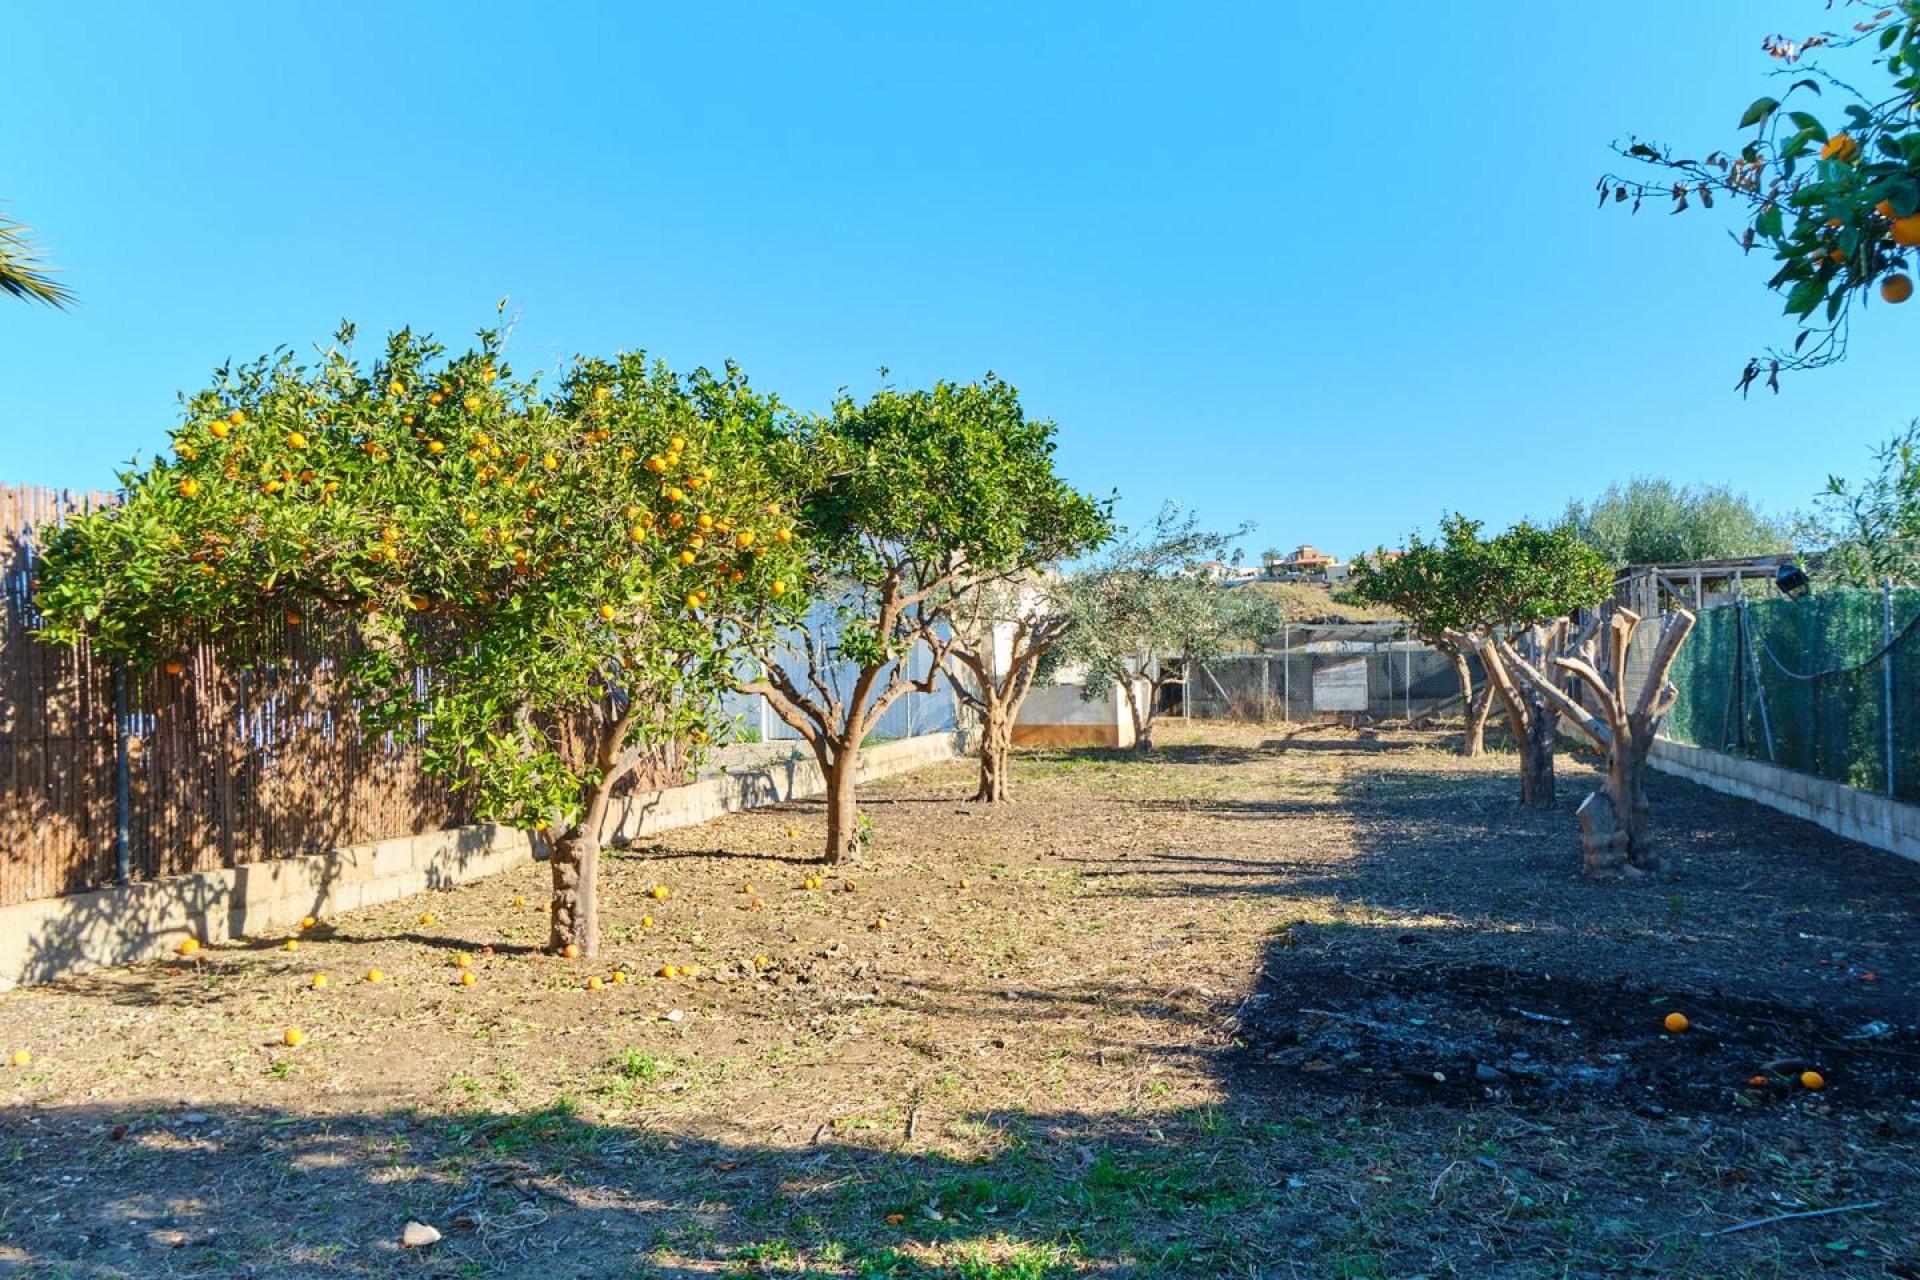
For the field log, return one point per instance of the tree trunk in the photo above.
(996, 750)
(1536, 740)
(575, 860)
(843, 818)
(1142, 724)
(1626, 726)
(1143, 734)
(1481, 711)
(1475, 741)
(1627, 786)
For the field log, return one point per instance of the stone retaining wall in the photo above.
(1847, 811)
(51, 938)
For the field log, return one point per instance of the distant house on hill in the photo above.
(1305, 562)
(1231, 574)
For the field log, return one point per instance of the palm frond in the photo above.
(23, 273)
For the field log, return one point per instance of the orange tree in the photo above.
(1483, 595)
(552, 586)
(1830, 188)
(911, 501)
(1440, 588)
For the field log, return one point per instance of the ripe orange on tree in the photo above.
(1896, 288)
(540, 491)
(1841, 147)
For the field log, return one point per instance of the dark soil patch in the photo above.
(1477, 1035)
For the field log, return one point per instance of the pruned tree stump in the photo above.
(1602, 839)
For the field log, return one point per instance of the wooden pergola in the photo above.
(1642, 587)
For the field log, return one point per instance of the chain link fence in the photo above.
(1370, 672)
(1825, 685)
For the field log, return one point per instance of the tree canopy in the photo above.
(1870, 527)
(1145, 614)
(911, 499)
(1828, 183)
(548, 585)
(1651, 520)
(1466, 592)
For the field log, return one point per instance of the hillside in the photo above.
(1314, 602)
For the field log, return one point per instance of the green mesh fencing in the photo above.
(1803, 684)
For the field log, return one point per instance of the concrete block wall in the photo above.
(54, 937)
(1846, 811)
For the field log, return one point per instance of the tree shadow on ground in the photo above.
(273, 1192)
(1610, 1147)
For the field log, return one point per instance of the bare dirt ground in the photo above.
(1267, 1004)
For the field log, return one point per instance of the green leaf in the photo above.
(1805, 297)
(1808, 124)
(1760, 110)
(1904, 196)
(1769, 223)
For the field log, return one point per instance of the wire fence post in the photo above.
(1886, 671)
(1266, 690)
(1406, 670)
(122, 780)
(1286, 673)
(1759, 689)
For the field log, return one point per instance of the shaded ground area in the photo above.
(1310, 1004)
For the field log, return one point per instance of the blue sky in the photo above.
(1329, 269)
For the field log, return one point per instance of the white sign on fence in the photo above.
(1341, 686)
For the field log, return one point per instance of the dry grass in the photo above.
(1096, 1056)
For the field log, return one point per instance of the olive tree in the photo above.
(551, 586)
(1651, 520)
(1145, 615)
(911, 500)
(1003, 633)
